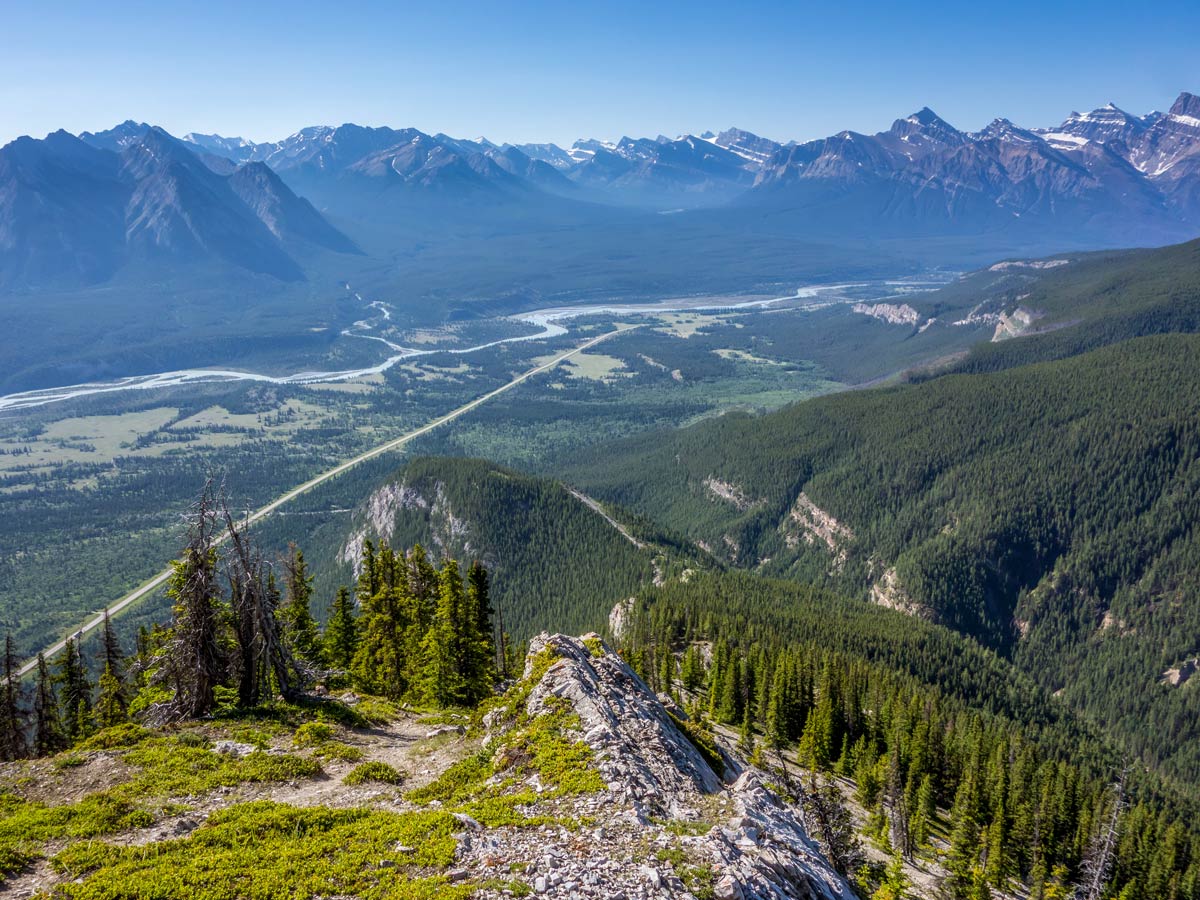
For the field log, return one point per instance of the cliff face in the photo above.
(667, 824)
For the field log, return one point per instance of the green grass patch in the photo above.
(25, 826)
(262, 851)
(171, 767)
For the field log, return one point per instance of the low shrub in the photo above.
(373, 771)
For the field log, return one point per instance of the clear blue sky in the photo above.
(574, 68)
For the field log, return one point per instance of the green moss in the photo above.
(262, 851)
(255, 737)
(281, 716)
(25, 826)
(373, 771)
(595, 646)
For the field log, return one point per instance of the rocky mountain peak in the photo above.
(1186, 105)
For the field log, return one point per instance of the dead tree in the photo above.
(254, 602)
(829, 821)
(1097, 865)
(192, 662)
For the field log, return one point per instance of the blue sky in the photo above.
(567, 69)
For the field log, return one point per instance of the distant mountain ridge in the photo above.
(1094, 170)
(76, 210)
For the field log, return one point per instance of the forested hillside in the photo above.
(555, 561)
(956, 757)
(1046, 510)
(1075, 303)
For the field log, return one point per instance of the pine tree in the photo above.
(341, 633)
(383, 661)
(924, 809)
(775, 730)
(300, 632)
(895, 883)
(746, 738)
(1098, 862)
(48, 737)
(692, 669)
(12, 715)
(480, 600)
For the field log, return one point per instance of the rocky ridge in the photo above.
(665, 811)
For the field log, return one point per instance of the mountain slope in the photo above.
(1044, 510)
(73, 213)
(554, 559)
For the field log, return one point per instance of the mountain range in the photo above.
(75, 210)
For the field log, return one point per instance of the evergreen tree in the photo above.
(74, 693)
(110, 707)
(112, 659)
(895, 883)
(382, 658)
(692, 668)
(440, 678)
(478, 652)
(830, 822)
(48, 736)
(341, 633)
(746, 738)
(300, 632)
(12, 713)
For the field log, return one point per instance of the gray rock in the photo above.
(233, 748)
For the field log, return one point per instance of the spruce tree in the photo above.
(112, 659)
(382, 664)
(110, 707)
(341, 633)
(12, 715)
(300, 631)
(193, 659)
(830, 822)
(74, 692)
(440, 681)
(478, 651)
(48, 736)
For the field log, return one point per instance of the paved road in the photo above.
(154, 584)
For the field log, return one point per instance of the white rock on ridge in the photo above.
(759, 850)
